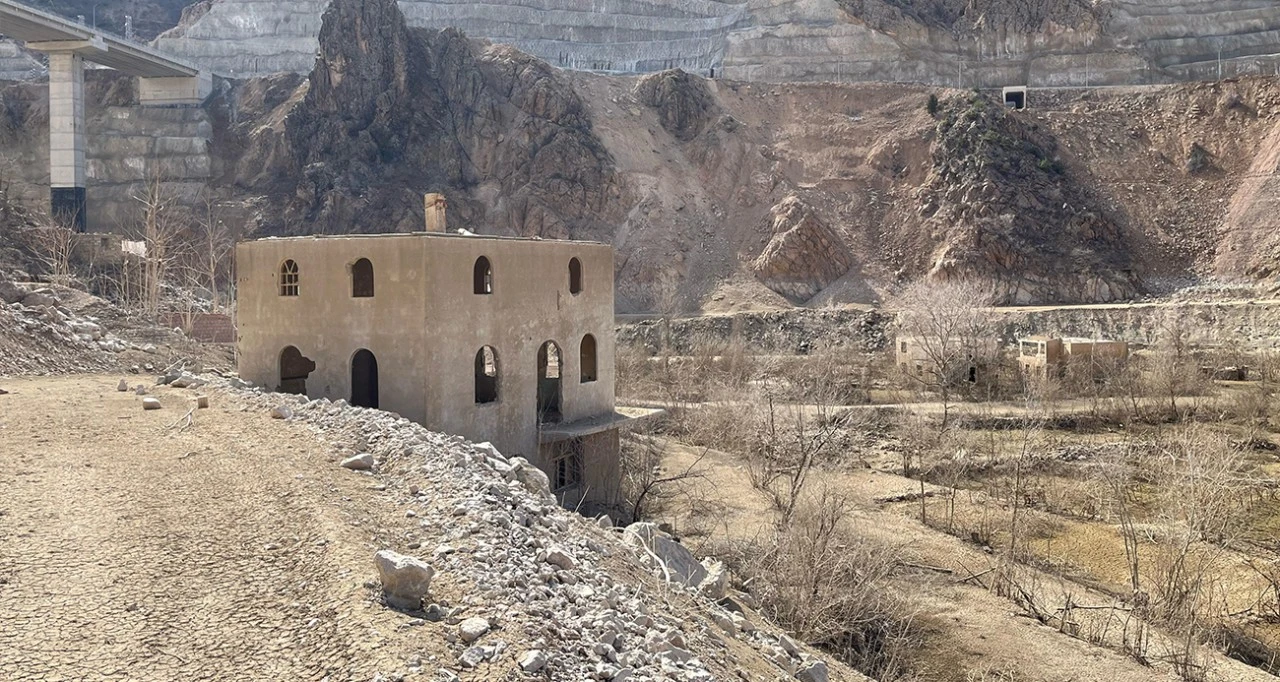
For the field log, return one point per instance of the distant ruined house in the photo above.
(498, 339)
(1051, 357)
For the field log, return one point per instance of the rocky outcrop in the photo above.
(804, 255)
(390, 113)
(999, 204)
(684, 103)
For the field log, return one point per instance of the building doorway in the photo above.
(549, 371)
(294, 370)
(364, 379)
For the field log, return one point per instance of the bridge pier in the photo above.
(66, 139)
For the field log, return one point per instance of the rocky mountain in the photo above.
(390, 113)
(752, 195)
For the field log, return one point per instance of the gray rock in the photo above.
(716, 585)
(473, 656)
(405, 579)
(679, 563)
(558, 557)
(533, 661)
(281, 412)
(472, 629)
(123, 386)
(361, 462)
(530, 476)
(42, 298)
(151, 404)
(140, 389)
(10, 292)
(788, 645)
(813, 671)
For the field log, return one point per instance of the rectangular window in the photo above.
(569, 466)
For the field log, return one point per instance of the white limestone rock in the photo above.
(405, 579)
(281, 412)
(472, 629)
(151, 404)
(361, 462)
(533, 661)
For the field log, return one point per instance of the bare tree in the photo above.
(951, 327)
(646, 482)
(212, 262)
(161, 227)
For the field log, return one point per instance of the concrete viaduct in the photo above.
(162, 81)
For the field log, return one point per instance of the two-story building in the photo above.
(498, 339)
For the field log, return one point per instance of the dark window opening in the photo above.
(568, 466)
(482, 277)
(362, 279)
(1016, 99)
(549, 383)
(587, 359)
(575, 276)
(973, 375)
(487, 375)
(364, 379)
(289, 278)
(294, 370)
(902, 347)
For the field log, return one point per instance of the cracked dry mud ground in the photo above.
(234, 549)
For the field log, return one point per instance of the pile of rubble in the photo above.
(547, 592)
(38, 335)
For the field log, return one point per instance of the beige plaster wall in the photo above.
(327, 324)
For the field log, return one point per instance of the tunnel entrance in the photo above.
(1015, 98)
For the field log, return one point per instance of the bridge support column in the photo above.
(66, 139)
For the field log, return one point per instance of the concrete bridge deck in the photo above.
(45, 32)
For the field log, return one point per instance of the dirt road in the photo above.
(233, 549)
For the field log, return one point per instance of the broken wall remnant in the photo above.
(804, 256)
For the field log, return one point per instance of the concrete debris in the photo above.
(405, 579)
(361, 462)
(150, 404)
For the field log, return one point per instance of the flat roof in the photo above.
(417, 235)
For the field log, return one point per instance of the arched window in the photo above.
(587, 359)
(549, 383)
(289, 278)
(575, 276)
(486, 375)
(362, 279)
(482, 278)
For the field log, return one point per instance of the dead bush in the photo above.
(832, 588)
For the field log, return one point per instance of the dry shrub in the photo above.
(832, 588)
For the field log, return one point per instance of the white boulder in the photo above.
(405, 579)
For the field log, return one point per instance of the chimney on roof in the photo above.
(434, 206)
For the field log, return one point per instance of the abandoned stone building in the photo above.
(1046, 356)
(954, 361)
(498, 339)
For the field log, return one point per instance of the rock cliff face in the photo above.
(999, 203)
(804, 256)
(943, 42)
(390, 113)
